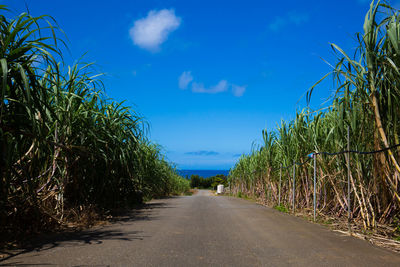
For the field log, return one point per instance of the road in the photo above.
(204, 230)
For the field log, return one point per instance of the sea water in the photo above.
(202, 173)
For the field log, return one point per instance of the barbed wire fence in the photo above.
(313, 156)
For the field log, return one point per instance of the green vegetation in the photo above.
(281, 208)
(64, 145)
(367, 100)
(197, 181)
(326, 222)
(396, 224)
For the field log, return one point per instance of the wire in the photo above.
(357, 152)
(311, 155)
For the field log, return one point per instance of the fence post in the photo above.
(269, 192)
(294, 183)
(280, 182)
(315, 183)
(348, 178)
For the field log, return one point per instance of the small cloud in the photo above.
(202, 153)
(237, 90)
(292, 17)
(265, 74)
(298, 18)
(277, 24)
(150, 32)
(184, 80)
(222, 86)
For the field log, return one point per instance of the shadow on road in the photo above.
(81, 238)
(142, 212)
(90, 236)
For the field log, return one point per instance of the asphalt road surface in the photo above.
(203, 230)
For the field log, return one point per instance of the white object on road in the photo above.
(220, 189)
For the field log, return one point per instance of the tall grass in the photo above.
(367, 100)
(63, 143)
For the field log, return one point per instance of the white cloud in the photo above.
(184, 80)
(297, 18)
(277, 24)
(222, 86)
(292, 17)
(237, 90)
(150, 32)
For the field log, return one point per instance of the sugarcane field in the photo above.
(214, 133)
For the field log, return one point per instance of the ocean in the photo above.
(202, 173)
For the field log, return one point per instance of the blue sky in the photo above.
(207, 75)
